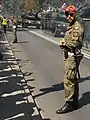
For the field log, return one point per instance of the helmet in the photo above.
(71, 9)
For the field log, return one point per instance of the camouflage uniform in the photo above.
(73, 40)
(14, 32)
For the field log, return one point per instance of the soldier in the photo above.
(71, 45)
(14, 32)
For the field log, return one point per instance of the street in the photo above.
(47, 65)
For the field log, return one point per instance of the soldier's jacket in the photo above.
(74, 36)
(73, 39)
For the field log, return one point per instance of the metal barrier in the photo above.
(86, 39)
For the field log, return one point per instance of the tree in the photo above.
(13, 6)
(30, 4)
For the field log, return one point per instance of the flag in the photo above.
(64, 6)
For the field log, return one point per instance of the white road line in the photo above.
(57, 43)
(16, 116)
(42, 36)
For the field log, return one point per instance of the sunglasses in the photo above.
(68, 13)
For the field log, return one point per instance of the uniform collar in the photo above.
(71, 26)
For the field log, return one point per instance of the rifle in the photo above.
(77, 64)
(65, 50)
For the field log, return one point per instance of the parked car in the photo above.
(60, 29)
(31, 20)
(19, 23)
(84, 12)
(58, 25)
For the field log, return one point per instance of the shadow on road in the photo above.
(57, 87)
(84, 79)
(53, 88)
(85, 99)
(14, 104)
(23, 107)
(23, 42)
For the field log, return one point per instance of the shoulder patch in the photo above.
(75, 34)
(76, 28)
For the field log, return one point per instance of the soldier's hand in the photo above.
(62, 44)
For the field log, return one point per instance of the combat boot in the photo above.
(75, 104)
(15, 40)
(66, 108)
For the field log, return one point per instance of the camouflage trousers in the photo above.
(70, 79)
(14, 36)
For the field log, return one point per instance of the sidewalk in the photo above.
(16, 102)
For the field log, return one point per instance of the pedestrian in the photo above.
(14, 32)
(4, 24)
(71, 45)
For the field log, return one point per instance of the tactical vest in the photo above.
(4, 22)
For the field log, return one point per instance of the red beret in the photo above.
(71, 9)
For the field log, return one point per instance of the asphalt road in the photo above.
(47, 60)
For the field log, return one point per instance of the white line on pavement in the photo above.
(42, 36)
(15, 117)
(57, 43)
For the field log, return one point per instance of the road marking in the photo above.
(12, 94)
(16, 116)
(86, 55)
(57, 43)
(42, 36)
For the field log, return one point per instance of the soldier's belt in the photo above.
(70, 54)
(74, 54)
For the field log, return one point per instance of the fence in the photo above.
(86, 39)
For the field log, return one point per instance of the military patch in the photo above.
(76, 28)
(75, 34)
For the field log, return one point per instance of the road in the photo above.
(47, 61)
